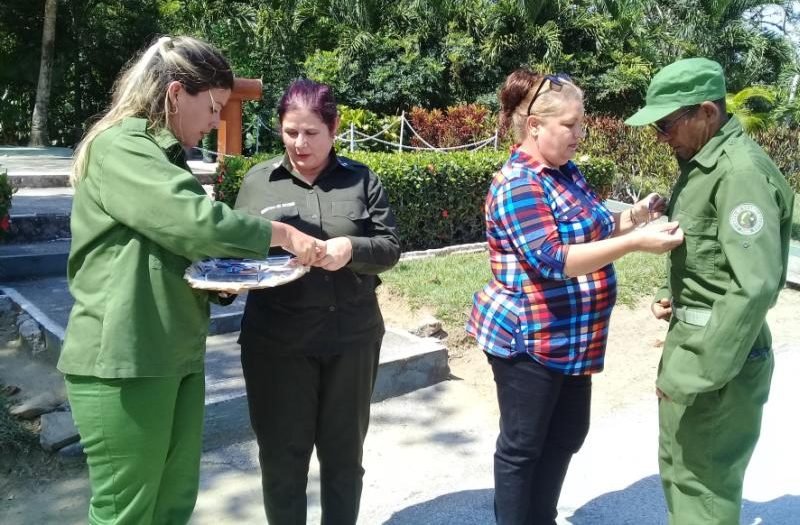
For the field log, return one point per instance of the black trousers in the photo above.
(544, 419)
(297, 403)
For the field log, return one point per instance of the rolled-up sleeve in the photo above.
(524, 215)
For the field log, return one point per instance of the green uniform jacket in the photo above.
(735, 209)
(323, 312)
(139, 218)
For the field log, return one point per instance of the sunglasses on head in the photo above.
(663, 126)
(556, 81)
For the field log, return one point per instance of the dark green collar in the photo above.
(163, 137)
(709, 154)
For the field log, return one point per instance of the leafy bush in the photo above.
(641, 163)
(6, 191)
(438, 198)
(369, 123)
(783, 146)
(454, 126)
(230, 174)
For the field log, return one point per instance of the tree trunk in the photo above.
(39, 135)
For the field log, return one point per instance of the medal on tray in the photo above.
(243, 274)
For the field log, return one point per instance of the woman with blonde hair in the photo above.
(543, 318)
(135, 341)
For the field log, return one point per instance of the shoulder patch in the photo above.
(746, 219)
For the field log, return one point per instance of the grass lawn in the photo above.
(446, 284)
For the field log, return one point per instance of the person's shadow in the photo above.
(639, 503)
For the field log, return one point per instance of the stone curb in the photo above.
(47, 342)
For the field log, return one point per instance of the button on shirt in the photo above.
(323, 312)
(533, 214)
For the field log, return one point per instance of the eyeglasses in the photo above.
(556, 81)
(664, 126)
(214, 108)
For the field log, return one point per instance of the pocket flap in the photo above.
(280, 212)
(353, 210)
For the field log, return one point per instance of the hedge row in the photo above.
(437, 197)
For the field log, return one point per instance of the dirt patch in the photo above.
(634, 349)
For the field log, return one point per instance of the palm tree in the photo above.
(753, 107)
(39, 135)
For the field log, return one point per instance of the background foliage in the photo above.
(387, 56)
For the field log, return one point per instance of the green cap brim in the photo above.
(649, 114)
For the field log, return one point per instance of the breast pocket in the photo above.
(575, 224)
(702, 245)
(349, 217)
(286, 213)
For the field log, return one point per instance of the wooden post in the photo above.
(229, 133)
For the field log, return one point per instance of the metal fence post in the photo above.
(402, 121)
(352, 138)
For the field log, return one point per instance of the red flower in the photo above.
(445, 214)
(5, 223)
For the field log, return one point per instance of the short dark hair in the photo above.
(314, 96)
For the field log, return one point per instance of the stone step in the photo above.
(48, 168)
(31, 260)
(407, 362)
(48, 301)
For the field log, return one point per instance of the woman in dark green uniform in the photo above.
(310, 348)
(134, 346)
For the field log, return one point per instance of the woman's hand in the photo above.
(339, 252)
(658, 238)
(306, 248)
(648, 209)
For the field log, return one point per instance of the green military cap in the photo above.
(680, 84)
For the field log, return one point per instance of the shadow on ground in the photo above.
(643, 502)
(467, 507)
(639, 503)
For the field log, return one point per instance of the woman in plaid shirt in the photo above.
(543, 318)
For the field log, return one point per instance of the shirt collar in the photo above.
(709, 154)
(163, 137)
(334, 162)
(520, 157)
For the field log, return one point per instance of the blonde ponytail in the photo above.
(141, 88)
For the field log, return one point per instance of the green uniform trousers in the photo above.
(297, 403)
(704, 448)
(142, 438)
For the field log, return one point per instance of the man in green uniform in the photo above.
(735, 209)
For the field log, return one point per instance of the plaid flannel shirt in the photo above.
(533, 213)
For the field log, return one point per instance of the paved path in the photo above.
(428, 459)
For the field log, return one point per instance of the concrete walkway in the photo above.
(429, 461)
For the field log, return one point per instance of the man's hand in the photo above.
(661, 395)
(662, 309)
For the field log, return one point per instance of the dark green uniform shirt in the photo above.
(139, 218)
(735, 209)
(323, 312)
